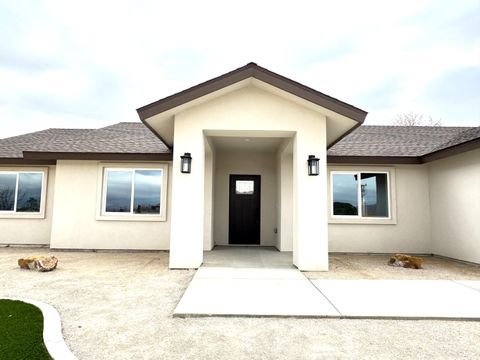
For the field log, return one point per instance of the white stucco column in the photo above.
(310, 222)
(208, 193)
(187, 229)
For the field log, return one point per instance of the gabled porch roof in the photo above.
(159, 115)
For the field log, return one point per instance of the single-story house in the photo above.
(247, 158)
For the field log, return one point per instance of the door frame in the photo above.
(258, 182)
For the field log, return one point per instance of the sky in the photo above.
(88, 64)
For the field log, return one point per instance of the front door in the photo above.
(244, 216)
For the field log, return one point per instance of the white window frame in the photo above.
(13, 213)
(102, 214)
(359, 218)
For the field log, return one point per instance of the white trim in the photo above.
(360, 219)
(16, 192)
(52, 330)
(104, 168)
(27, 215)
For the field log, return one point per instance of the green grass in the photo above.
(21, 331)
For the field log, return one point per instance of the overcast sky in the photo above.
(92, 63)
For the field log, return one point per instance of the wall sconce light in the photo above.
(313, 168)
(186, 163)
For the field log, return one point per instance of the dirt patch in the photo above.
(119, 306)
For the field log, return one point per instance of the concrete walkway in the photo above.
(424, 299)
(254, 292)
(275, 288)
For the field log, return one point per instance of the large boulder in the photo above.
(406, 261)
(38, 263)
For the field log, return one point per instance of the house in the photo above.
(247, 158)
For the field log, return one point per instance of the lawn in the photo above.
(21, 329)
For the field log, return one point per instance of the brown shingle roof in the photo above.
(125, 138)
(129, 138)
(401, 141)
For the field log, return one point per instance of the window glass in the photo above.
(244, 187)
(345, 200)
(119, 191)
(8, 183)
(29, 192)
(147, 191)
(374, 194)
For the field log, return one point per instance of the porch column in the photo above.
(187, 227)
(310, 222)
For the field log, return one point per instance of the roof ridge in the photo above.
(30, 133)
(55, 128)
(251, 70)
(418, 126)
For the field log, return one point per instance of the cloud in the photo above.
(91, 63)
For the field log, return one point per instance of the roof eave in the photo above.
(50, 156)
(452, 150)
(259, 73)
(340, 159)
(23, 161)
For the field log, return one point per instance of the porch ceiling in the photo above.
(242, 144)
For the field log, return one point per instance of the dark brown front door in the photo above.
(244, 217)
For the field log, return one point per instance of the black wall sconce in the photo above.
(313, 168)
(186, 163)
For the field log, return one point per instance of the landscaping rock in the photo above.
(406, 261)
(38, 263)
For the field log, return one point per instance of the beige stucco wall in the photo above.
(29, 231)
(75, 209)
(245, 163)
(411, 233)
(455, 206)
(208, 241)
(284, 236)
(252, 112)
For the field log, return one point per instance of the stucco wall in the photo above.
(30, 231)
(455, 206)
(284, 236)
(208, 241)
(411, 233)
(75, 209)
(245, 163)
(251, 112)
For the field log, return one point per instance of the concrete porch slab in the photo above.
(425, 299)
(247, 257)
(252, 292)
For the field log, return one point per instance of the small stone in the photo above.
(38, 263)
(24, 263)
(406, 261)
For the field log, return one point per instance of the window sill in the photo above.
(145, 218)
(363, 221)
(22, 216)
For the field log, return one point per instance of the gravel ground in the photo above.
(375, 267)
(119, 306)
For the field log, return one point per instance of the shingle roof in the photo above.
(462, 137)
(128, 138)
(136, 138)
(401, 141)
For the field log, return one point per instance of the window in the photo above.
(360, 194)
(244, 187)
(133, 192)
(21, 191)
